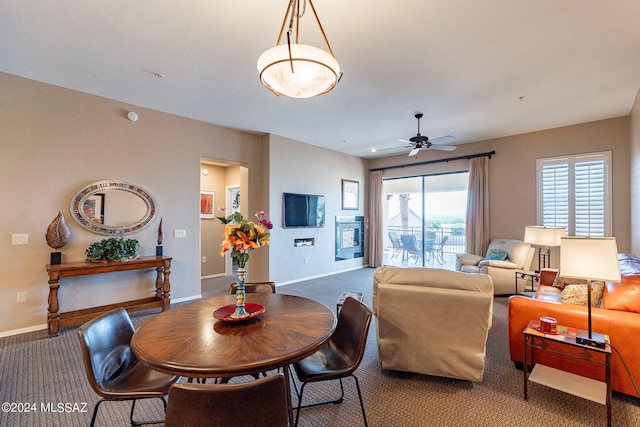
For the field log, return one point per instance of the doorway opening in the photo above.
(223, 184)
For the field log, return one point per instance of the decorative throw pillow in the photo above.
(547, 293)
(577, 294)
(498, 256)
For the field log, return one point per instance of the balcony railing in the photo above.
(454, 244)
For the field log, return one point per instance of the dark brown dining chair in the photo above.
(252, 287)
(340, 356)
(113, 370)
(260, 403)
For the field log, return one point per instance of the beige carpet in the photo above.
(38, 370)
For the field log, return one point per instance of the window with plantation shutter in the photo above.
(574, 193)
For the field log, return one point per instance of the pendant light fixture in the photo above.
(298, 70)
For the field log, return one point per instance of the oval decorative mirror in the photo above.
(112, 207)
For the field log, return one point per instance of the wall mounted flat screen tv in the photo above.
(302, 210)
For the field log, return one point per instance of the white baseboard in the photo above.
(321, 275)
(23, 330)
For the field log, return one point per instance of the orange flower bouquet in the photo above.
(242, 235)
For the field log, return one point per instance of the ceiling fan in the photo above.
(419, 142)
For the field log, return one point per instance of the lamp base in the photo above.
(596, 339)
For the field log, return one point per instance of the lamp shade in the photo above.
(592, 258)
(543, 236)
(308, 72)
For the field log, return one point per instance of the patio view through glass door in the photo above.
(424, 219)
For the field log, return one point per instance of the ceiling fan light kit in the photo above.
(298, 70)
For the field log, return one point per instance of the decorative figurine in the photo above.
(57, 236)
(160, 238)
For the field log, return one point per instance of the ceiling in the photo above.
(477, 70)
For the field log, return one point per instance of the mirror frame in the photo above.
(109, 230)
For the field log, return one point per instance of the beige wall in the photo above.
(635, 175)
(55, 141)
(512, 172)
(302, 168)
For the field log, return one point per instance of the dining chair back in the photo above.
(113, 370)
(262, 402)
(340, 356)
(252, 287)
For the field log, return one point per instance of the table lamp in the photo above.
(590, 258)
(546, 237)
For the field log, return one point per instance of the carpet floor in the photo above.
(38, 374)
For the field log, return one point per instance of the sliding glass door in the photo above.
(424, 219)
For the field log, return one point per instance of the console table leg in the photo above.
(166, 288)
(53, 316)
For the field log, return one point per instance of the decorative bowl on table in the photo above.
(225, 313)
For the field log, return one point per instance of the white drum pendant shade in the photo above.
(315, 71)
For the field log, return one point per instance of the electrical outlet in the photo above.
(19, 239)
(21, 297)
(306, 260)
(179, 233)
(204, 259)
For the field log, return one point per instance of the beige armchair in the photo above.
(518, 257)
(432, 321)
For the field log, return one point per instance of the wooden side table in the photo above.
(586, 388)
(161, 299)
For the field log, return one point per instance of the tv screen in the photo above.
(302, 210)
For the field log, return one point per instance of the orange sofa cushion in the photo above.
(623, 296)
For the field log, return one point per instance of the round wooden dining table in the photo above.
(188, 341)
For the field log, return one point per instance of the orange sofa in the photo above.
(618, 316)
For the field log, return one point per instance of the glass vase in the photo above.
(240, 294)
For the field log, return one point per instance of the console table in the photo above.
(161, 299)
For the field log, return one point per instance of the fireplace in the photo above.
(349, 237)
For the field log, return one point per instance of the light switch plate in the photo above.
(179, 233)
(19, 239)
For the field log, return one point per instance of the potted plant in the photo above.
(116, 249)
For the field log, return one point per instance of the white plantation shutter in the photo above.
(555, 195)
(574, 192)
(590, 198)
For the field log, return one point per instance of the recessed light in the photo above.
(373, 150)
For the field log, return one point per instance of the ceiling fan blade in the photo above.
(443, 147)
(442, 139)
(404, 147)
(414, 151)
(404, 140)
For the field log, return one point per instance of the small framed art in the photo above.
(350, 194)
(207, 199)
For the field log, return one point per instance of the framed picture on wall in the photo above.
(207, 199)
(233, 200)
(350, 194)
